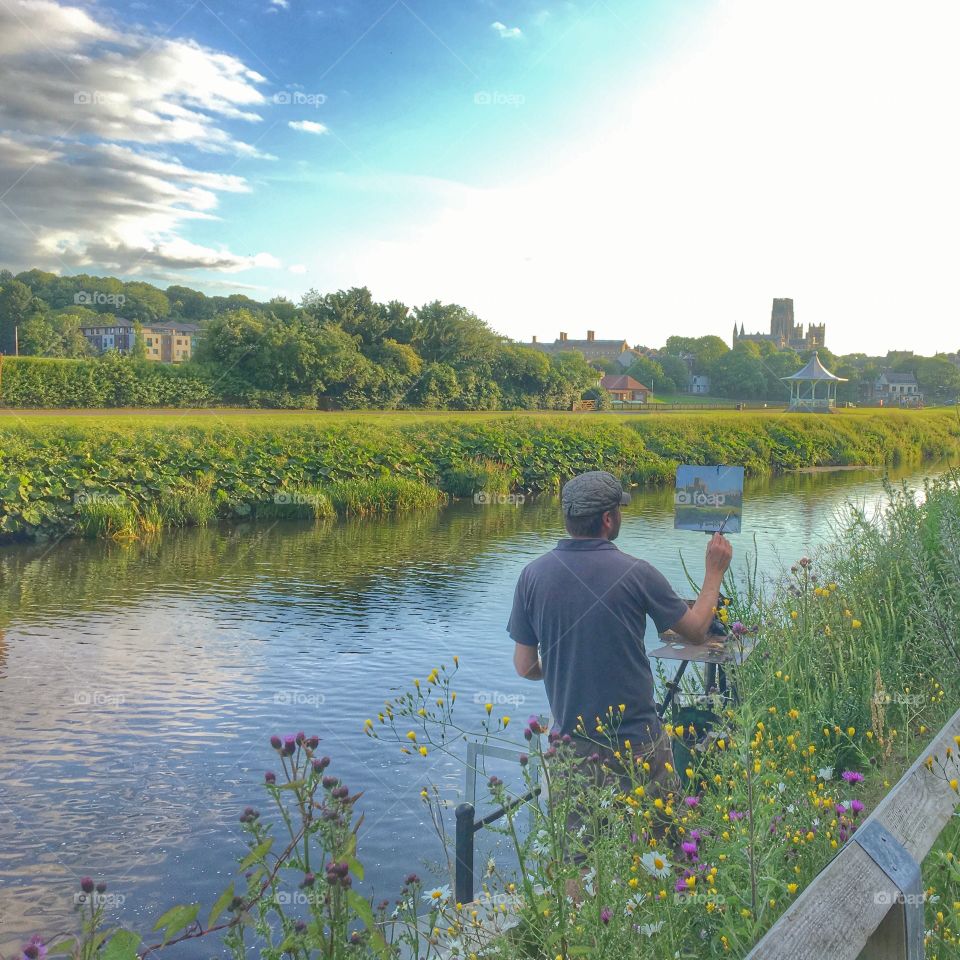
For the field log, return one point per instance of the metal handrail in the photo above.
(466, 824)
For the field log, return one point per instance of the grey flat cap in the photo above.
(592, 492)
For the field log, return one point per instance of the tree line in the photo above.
(346, 349)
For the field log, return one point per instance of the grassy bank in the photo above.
(123, 476)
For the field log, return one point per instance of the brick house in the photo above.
(625, 389)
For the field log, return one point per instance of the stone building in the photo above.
(591, 348)
(784, 331)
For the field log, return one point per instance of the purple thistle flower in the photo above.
(689, 848)
(605, 915)
(857, 807)
(270, 777)
(87, 884)
(680, 886)
(35, 949)
(276, 742)
(737, 628)
(736, 815)
(691, 801)
(841, 809)
(852, 776)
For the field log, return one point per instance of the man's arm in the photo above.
(526, 660)
(692, 626)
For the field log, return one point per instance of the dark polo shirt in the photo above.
(585, 604)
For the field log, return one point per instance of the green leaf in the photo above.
(223, 901)
(361, 907)
(64, 946)
(356, 867)
(122, 946)
(257, 853)
(176, 919)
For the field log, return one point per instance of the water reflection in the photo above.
(139, 683)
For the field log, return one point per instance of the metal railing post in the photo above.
(463, 876)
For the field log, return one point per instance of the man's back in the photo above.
(585, 603)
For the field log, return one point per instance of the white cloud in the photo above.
(281, 4)
(505, 32)
(308, 126)
(88, 110)
(787, 150)
(297, 268)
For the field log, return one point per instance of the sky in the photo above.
(639, 168)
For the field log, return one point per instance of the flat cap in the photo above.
(592, 492)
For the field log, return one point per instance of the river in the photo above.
(139, 684)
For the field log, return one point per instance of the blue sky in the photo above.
(638, 168)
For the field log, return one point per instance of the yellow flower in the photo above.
(851, 731)
(953, 785)
(505, 721)
(791, 888)
(856, 624)
(423, 751)
(793, 714)
(411, 736)
(794, 614)
(623, 708)
(639, 791)
(489, 708)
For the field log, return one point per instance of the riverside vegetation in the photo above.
(856, 666)
(126, 477)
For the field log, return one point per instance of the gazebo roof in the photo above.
(814, 370)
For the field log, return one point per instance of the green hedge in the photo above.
(40, 382)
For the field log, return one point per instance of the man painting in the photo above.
(578, 621)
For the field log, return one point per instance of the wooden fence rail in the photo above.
(856, 909)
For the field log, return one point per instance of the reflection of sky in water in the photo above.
(139, 685)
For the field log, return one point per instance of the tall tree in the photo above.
(15, 305)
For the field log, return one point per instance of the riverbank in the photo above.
(128, 476)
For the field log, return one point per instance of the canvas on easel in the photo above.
(708, 499)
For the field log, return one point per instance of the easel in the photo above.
(716, 659)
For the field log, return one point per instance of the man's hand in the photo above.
(719, 555)
(694, 623)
